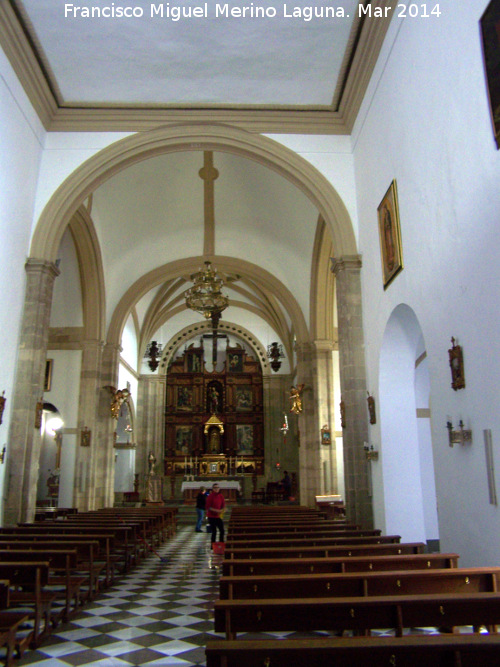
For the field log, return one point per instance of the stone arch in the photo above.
(224, 326)
(141, 146)
(190, 265)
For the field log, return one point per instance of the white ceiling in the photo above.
(193, 61)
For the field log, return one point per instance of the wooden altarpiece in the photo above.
(214, 420)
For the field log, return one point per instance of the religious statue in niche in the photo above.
(214, 441)
(214, 399)
(296, 398)
(457, 366)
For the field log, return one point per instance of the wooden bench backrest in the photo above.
(351, 550)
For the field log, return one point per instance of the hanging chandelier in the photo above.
(205, 295)
(153, 351)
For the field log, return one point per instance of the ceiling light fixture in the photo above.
(275, 353)
(205, 295)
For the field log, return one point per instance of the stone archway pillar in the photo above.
(309, 456)
(101, 487)
(90, 386)
(150, 422)
(347, 272)
(23, 453)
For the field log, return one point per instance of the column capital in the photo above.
(325, 345)
(346, 263)
(34, 265)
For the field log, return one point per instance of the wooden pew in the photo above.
(87, 559)
(10, 624)
(300, 542)
(360, 614)
(324, 552)
(27, 595)
(247, 566)
(104, 559)
(364, 584)
(62, 582)
(291, 530)
(408, 651)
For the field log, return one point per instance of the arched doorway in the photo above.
(406, 446)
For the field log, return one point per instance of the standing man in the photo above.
(215, 506)
(200, 508)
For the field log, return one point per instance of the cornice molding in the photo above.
(57, 117)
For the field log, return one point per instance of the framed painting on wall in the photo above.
(390, 235)
(244, 439)
(184, 398)
(243, 399)
(183, 440)
(490, 34)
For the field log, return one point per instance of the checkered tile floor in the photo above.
(159, 614)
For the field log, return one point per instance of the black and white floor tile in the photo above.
(161, 614)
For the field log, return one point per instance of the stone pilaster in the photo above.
(309, 457)
(100, 486)
(150, 422)
(323, 374)
(276, 404)
(24, 439)
(347, 271)
(90, 396)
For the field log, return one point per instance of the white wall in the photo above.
(21, 135)
(426, 123)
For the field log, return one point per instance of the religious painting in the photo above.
(194, 362)
(47, 385)
(183, 440)
(235, 361)
(390, 235)
(244, 439)
(326, 436)
(490, 33)
(243, 399)
(184, 398)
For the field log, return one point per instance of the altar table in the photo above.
(229, 489)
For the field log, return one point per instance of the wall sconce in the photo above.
(53, 419)
(153, 351)
(2, 454)
(275, 353)
(461, 437)
(370, 453)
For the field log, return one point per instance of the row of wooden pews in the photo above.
(54, 567)
(287, 569)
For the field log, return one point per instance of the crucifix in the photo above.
(214, 336)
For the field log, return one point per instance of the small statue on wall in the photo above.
(119, 396)
(296, 398)
(152, 463)
(457, 366)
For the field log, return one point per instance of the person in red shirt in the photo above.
(214, 508)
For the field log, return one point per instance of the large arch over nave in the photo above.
(72, 201)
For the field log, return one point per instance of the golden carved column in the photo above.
(347, 272)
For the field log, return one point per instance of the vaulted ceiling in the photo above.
(296, 69)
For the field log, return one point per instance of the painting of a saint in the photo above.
(244, 439)
(390, 235)
(235, 362)
(194, 363)
(184, 398)
(183, 440)
(243, 399)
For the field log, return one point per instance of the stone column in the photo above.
(309, 457)
(323, 373)
(23, 454)
(347, 271)
(276, 403)
(101, 484)
(90, 396)
(150, 423)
